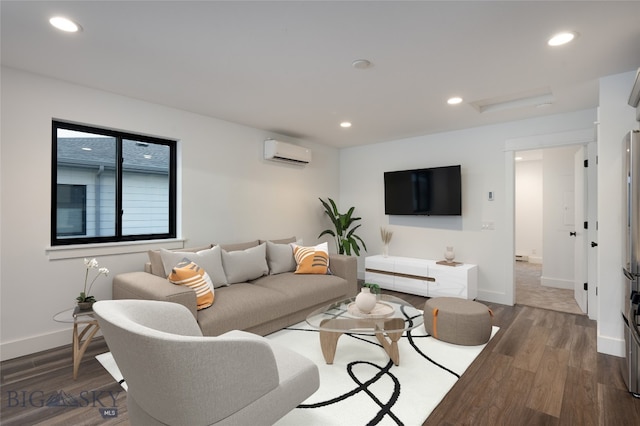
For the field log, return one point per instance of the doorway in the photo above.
(530, 291)
(545, 228)
(577, 138)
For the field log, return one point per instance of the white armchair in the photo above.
(175, 376)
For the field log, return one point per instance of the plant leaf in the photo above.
(327, 231)
(335, 208)
(360, 239)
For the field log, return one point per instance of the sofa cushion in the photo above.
(189, 274)
(280, 258)
(155, 260)
(311, 260)
(210, 260)
(239, 246)
(304, 291)
(244, 265)
(242, 306)
(282, 241)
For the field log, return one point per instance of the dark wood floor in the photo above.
(542, 368)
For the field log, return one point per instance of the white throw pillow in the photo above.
(210, 260)
(244, 265)
(280, 258)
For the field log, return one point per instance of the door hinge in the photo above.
(586, 286)
(586, 163)
(586, 225)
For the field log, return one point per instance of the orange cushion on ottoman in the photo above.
(458, 321)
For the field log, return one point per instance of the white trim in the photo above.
(611, 346)
(494, 297)
(557, 283)
(34, 344)
(101, 249)
(553, 140)
(510, 227)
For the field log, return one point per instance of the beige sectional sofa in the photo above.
(255, 287)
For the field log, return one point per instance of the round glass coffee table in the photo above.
(395, 317)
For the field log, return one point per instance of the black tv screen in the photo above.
(435, 191)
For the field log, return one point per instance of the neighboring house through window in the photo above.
(111, 186)
(72, 210)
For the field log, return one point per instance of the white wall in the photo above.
(529, 210)
(481, 152)
(558, 217)
(229, 193)
(616, 118)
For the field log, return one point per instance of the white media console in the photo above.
(422, 277)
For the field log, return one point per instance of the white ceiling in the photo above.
(285, 67)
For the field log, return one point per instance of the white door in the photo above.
(581, 234)
(592, 217)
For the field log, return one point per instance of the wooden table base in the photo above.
(80, 346)
(388, 340)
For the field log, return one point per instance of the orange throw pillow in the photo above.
(189, 274)
(311, 260)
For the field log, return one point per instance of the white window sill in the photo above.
(103, 249)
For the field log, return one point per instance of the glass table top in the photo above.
(394, 315)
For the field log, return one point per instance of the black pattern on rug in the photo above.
(386, 370)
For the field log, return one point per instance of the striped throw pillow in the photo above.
(189, 274)
(311, 260)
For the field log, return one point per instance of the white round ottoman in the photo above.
(458, 321)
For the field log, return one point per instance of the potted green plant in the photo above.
(344, 234)
(375, 288)
(85, 300)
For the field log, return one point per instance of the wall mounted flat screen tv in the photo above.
(435, 191)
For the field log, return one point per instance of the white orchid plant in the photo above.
(90, 264)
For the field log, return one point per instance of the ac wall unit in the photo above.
(281, 151)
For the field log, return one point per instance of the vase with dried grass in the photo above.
(385, 234)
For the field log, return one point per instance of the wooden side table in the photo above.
(85, 326)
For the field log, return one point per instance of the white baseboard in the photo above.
(34, 344)
(557, 283)
(494, 297)
(611, 346)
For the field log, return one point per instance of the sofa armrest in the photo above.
(345, 267)
(142, 285)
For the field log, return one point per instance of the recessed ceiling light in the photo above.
(454, 101)
(345, 124)
(86, 149)
(64, 24)
(518, 158)
(562, 38)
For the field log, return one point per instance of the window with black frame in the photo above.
(110, 186)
